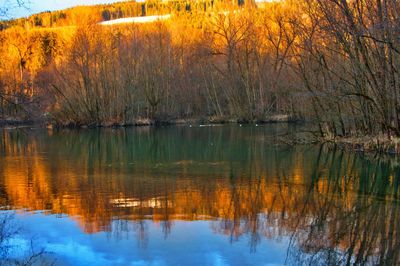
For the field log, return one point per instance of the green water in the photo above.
(191, 195)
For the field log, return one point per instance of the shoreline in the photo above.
(150, 122)
(368, 144)
(17, 122)
(361, 144)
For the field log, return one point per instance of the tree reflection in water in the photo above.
(335, 207)
(11, 253)
(349, 226)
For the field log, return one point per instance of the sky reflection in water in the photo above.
(189, 243)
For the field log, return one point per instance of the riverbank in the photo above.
(368, 144)
(186, 121)
(362, 144)
(18, 122)
(365, 144)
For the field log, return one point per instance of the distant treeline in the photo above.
(332, 62)
(97, 13)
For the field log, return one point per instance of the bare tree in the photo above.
(8, 5)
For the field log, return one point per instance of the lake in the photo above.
(193, 195)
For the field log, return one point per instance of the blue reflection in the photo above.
(189, 243)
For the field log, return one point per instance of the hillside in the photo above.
(105, 12)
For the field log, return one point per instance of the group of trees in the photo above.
(25, 55)
(197, 65)
(331, 61)
(350, 65)
(218, 66)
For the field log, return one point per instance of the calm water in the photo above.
(223, 195)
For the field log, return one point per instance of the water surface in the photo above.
(222, 195)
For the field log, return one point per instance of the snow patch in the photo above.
(146, 19)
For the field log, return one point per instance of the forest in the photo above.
(334, 63)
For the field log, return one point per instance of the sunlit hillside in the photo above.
(181, 44)
(102, 13)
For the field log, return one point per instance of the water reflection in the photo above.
(326, 206)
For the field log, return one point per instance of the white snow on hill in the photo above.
(146, 19)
